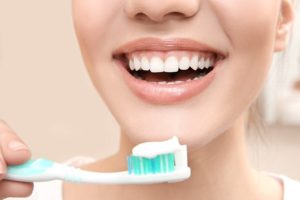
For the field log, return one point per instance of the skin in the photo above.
(211, 124)
(97, 24)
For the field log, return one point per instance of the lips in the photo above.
(155, 44)
(167, 71)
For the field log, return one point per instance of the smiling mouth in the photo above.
(172, 67)
(168, 61)
(168, 68)
(167, 71)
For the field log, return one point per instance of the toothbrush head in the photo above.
(159, 158)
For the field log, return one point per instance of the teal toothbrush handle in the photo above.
(32, 170)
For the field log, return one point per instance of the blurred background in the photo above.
(48, 99)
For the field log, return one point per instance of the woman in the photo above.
(189, 68)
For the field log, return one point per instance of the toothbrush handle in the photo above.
(46, 170)
(32, 170)
(39, 170)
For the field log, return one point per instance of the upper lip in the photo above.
(157, 44)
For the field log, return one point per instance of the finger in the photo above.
(13, 149)
(15, 189)
(2, 167)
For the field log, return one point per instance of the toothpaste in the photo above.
(152, 149)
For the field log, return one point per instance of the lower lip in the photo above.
(155, 93)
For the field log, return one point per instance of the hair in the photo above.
(283, 62)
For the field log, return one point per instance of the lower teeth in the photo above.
(170, 82)
(174, 81)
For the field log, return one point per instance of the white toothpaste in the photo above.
(152, 149)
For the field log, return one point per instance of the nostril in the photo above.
(176, 15)
(160, 18)
(154, 17)
(160, 10)
(141, 16)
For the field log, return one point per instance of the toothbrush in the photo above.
(150, 162)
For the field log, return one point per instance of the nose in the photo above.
(161, 10)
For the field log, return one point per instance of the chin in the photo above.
(193, 136)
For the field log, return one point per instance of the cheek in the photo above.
(250, 26)
(95, 22)
(90, 17)
(91, 21)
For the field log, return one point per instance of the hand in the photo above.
(12, 152)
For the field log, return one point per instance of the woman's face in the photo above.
(175, 38)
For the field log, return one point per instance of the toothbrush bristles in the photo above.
(160, 164)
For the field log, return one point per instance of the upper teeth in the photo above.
(171, 63)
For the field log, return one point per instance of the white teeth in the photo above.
(170, 83)
(207, 62)
(145, 64)
(131, 65)
(171, 64)
(184, 63)
(194, 62)
(211, 62)
(156, 65)
(201, 63)
(137, 63)
(162, 82)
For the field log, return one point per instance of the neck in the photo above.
(220, 170)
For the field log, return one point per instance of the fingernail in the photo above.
(16, 145)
